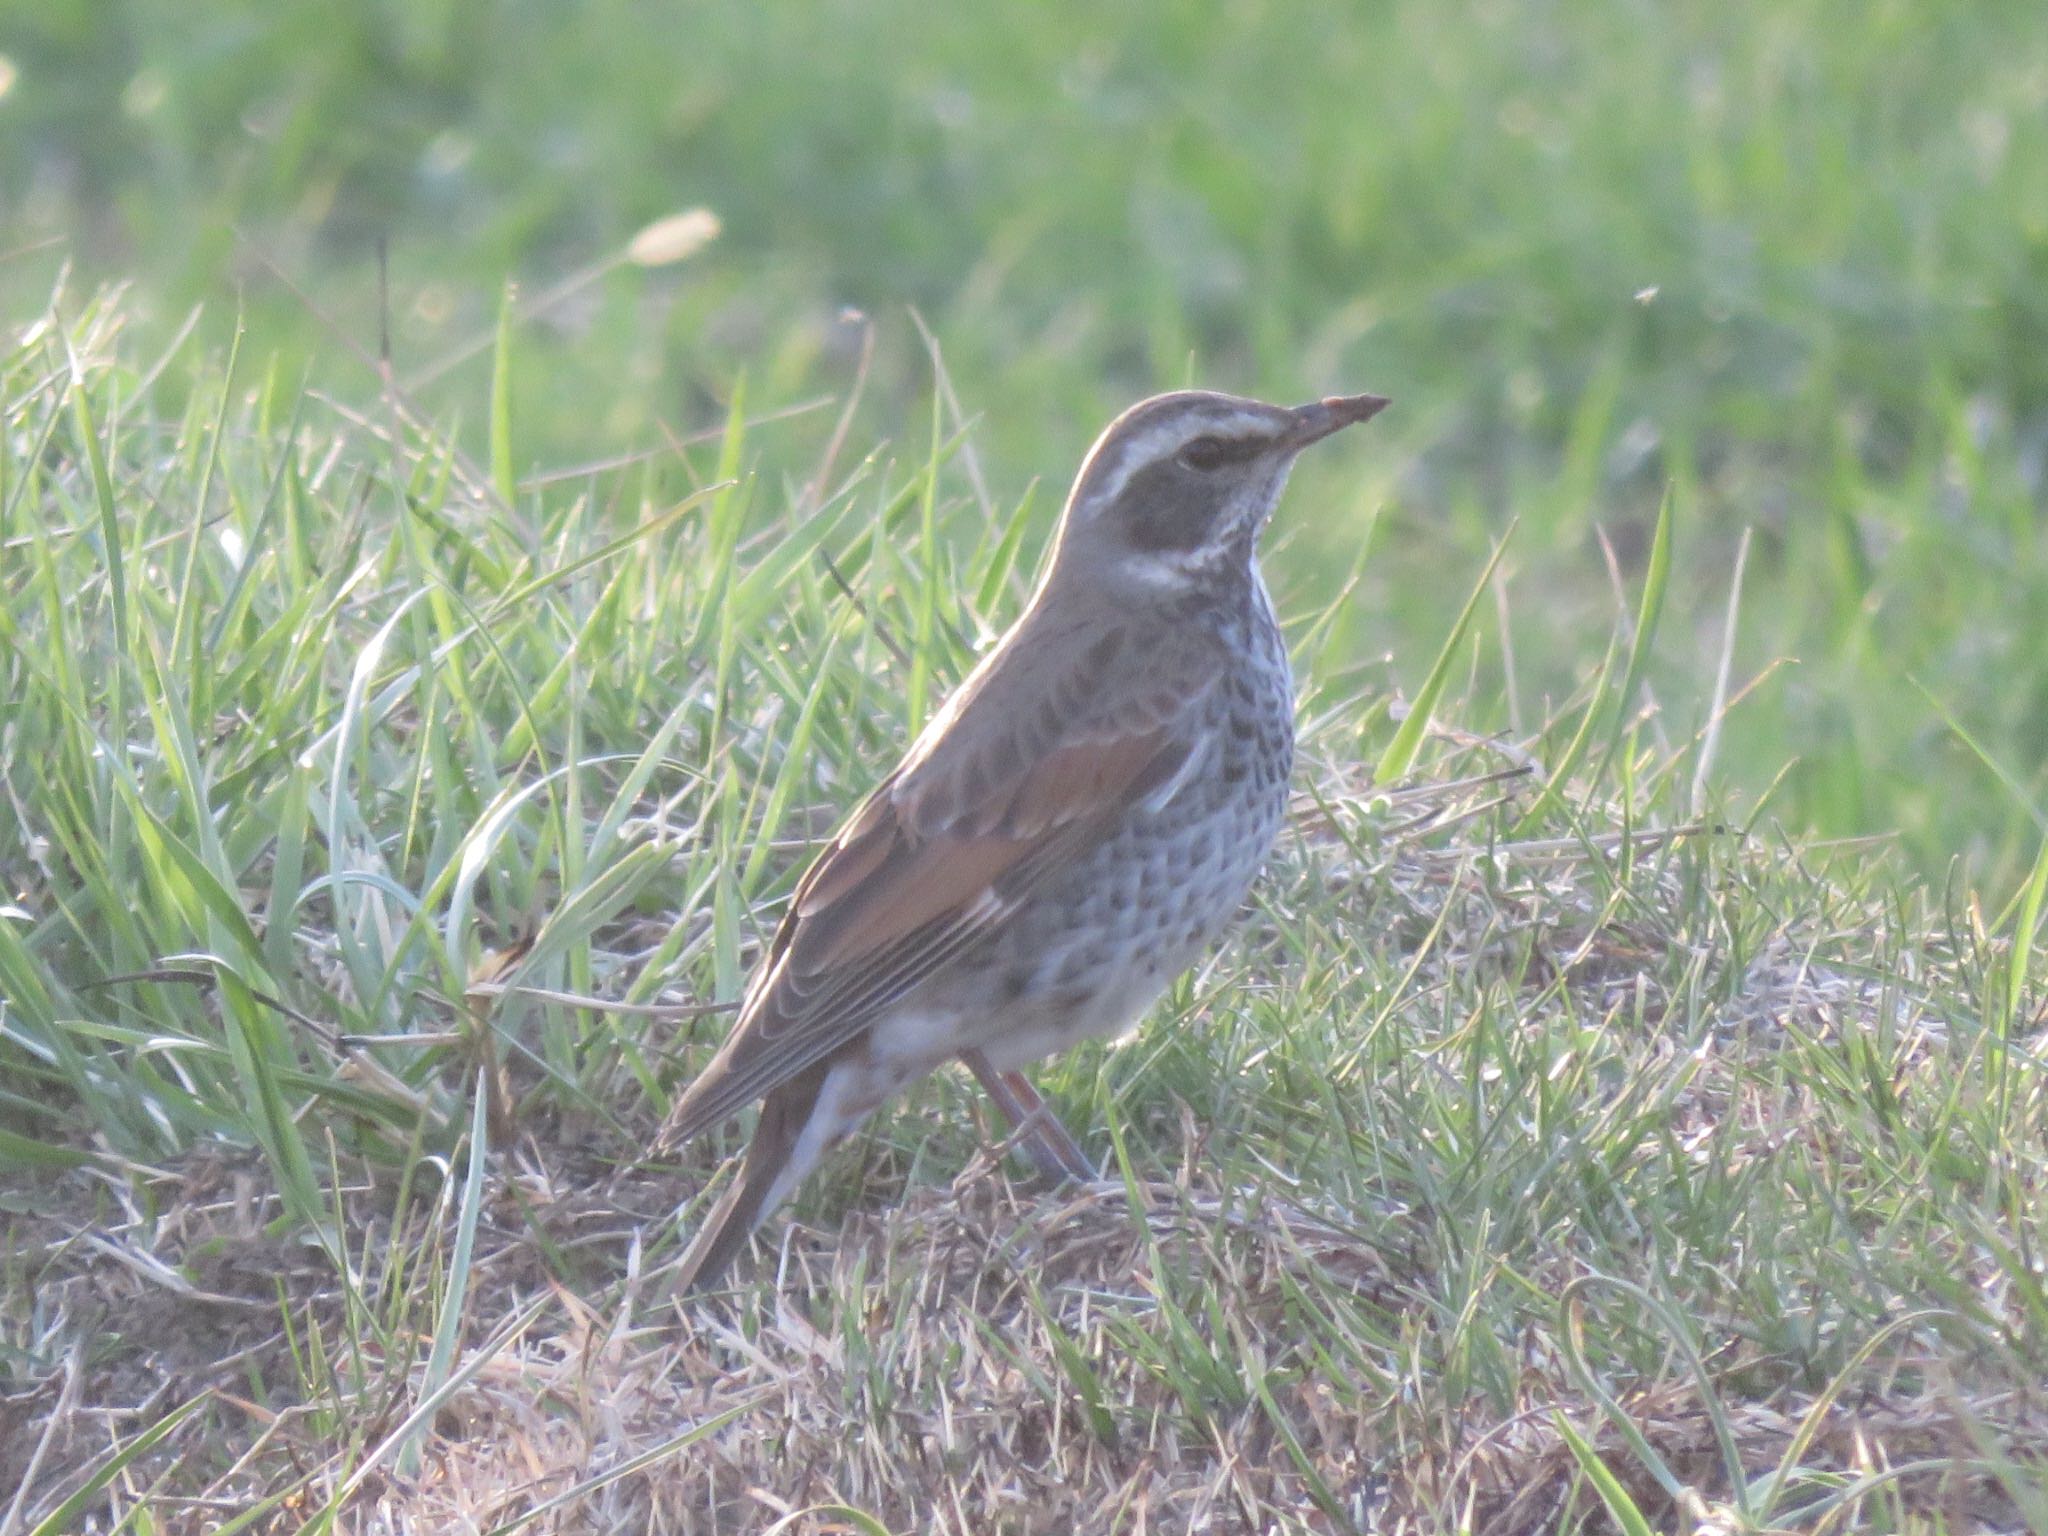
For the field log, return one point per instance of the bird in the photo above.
(1076, 824)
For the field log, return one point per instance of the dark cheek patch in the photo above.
(1234, 450)
(1162, 510)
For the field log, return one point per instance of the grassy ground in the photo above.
(1621, 1108)
(1788, 255)
(1557, 1138)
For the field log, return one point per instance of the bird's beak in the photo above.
(1318, 420)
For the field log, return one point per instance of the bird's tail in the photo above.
(777, 1159)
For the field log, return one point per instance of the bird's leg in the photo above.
(1052, 1150)
(1065, 1152)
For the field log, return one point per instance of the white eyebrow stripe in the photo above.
(1164, 437)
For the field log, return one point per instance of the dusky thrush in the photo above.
(1078, 822)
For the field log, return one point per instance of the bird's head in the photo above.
(1173, 494)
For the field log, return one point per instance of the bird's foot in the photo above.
(1050, 1146)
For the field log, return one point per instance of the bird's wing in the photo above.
(1026, 767)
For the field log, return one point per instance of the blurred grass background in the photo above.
(1789, 260)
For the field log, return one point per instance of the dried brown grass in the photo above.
(1157, 1354)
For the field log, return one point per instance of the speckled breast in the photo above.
(1092, 949)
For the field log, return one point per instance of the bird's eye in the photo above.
(1204, 453)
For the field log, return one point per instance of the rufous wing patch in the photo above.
(886, 882)
(914, 885)
(1082, 779)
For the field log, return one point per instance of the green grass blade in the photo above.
(1400, 753)
(455, 1285)
(1624, 1510)
(64, 1519)
(1649, 611)
(501, 404)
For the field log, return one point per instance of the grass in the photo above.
(422, 676)
(1559, 1142)
(1786, 256)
